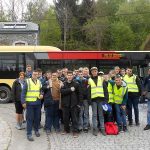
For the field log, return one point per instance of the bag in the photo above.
(111, 128)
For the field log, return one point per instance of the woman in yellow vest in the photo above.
(120, 96)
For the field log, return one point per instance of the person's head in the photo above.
(76, 71)
(35, 74)
(29, 68)
(123, 72)
(69, 75)
(101, 73)
(64, 71)
(118, 80)
(21, 75)
(80, 74)
(39, 72)
(117, 69)
(59, 71)
(54, 75)
(129, 71)
(94, 71)
(111, 74)
(48, 74)
(85, 71)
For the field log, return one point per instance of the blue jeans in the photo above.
(148, 112)
(52, 116)
(32, 115)
(97, 110)
(84, 115)
(120, 115)
(133, 101)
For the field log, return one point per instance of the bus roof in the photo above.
(28, 49)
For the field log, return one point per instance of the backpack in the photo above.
(111, 128)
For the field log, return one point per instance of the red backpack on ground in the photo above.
(111, 128)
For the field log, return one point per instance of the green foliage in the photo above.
(49, 29)
(123, 36)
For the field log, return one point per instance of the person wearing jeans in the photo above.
(146, 93)
(120, 96)
(84, 104)
(97, 93)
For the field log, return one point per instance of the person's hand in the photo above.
(123, 107)
(24, 105)
(144, 93)
(41, 97)
(72, 89)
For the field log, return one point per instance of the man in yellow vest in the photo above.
(134, 91)
(31, 100)
(120, 96)
(98, 94)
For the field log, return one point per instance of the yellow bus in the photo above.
(14, 59)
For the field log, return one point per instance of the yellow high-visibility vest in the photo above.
(118, 94)
(110, 92)
(33, 91)
(131, 83)
(96, 91)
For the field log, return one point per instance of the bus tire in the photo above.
(5, 94)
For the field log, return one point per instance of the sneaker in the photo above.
(57, 130)
(103, 132)
(75, 135)
(23, 125)
(121, 129)
(37, 134)
(79, 130)
(48, 132)
(95, 132)
(85, 130)
(125, 128)
(130, 124)
(147, 127)
(137, 124)
(18, 127)
(64, 133)
(30, 138)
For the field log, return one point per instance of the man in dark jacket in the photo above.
(84, 105)
(134, 92)
(146, 93)
(71, 96)
(98, 94)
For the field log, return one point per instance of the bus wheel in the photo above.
(5, 94)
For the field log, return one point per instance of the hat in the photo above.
(101, 72)
(107, 107)
(93, 68)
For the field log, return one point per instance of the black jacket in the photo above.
(48, 100)
(70, 98)
(105, 98)
(16, 91)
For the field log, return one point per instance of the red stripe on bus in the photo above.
(74, 55)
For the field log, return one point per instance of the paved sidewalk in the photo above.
(5, 135)
(134, 139)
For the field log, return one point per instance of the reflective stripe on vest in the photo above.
(96, 91)
(131, 83)
(110, 92)
(119, 93)
(33, 90)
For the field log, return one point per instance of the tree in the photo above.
(50, 32)
(123, 36)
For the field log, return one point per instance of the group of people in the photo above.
(67, 96)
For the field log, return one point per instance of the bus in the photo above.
(14, 59)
